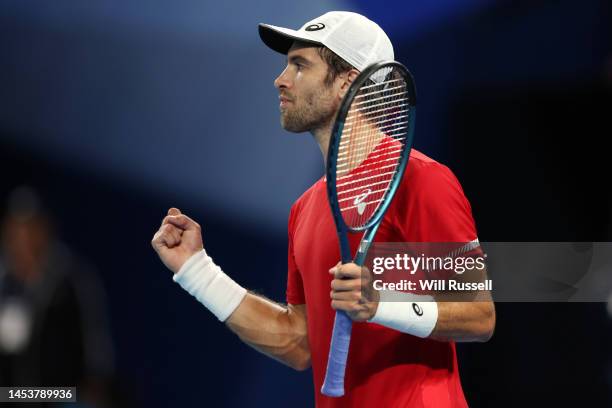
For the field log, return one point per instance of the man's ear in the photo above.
(348, 79)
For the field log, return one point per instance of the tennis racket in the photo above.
(368, 152)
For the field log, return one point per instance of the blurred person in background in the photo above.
(53, 324)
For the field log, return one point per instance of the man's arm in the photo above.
(456, 321)
(464, 321)
(274, 330)
(279, 332)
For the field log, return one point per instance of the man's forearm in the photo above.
(464, 321)
(277, 331)
(465, 317)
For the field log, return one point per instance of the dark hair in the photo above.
(335, 64)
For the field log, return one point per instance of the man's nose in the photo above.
(282, 80)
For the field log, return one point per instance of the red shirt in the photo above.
(385, 368)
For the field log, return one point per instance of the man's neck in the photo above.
(322, 136)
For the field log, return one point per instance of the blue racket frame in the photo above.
(333, 385)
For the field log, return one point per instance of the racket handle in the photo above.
(333, 386)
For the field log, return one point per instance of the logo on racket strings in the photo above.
(360, 201)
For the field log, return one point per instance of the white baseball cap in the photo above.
(354, 38)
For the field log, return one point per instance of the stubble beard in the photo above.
(309, 116)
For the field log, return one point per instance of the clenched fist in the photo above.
(178, 238)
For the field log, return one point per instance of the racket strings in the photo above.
(373, 163)
(383, 116)
(371, 146)
(369, 108)
(357, 188)
(360, 148)
(363, 88)
(377, 92)
(365, 133)
(369, 104)
(360, 140)
(385, 120)
(353, 180)
(371, 192)
(358, 205)
(348, 118)
(380, 151)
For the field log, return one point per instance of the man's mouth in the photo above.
(284, 101)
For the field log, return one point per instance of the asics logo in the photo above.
(360, 201)
(417, 309)
(315, 27)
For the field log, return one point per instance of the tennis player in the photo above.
(401, 355)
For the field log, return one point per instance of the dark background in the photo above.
(115, 111)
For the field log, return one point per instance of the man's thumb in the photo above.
(174, 211)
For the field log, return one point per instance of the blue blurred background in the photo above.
(113, 111)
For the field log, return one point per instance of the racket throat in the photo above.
(364, 245)
(362, 251)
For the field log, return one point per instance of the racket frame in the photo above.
(333, 385)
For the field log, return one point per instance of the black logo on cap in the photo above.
(417, 309)
(315, 27)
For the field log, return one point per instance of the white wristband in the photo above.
(205, 280)
(407, 313)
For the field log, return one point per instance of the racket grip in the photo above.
(333, 386)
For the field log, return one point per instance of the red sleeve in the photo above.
(433, 207)
(295, 288)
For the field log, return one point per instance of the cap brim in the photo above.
(280, 39)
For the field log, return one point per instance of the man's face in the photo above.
(306, 102)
